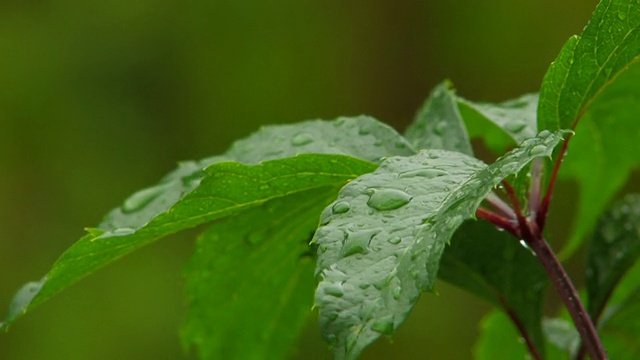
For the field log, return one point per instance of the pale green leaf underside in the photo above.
(614, 248)
(361, 137)
(589, 62)
(438, 124)
(380, 243)
(224, 189)
(514, 118)
(250, 281)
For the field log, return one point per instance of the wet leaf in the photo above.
(374, 263)
(438, 124)
(609, 44)
(613, 250)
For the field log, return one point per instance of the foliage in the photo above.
(404, 215)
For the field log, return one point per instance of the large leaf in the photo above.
(494, 266)
(250, 282)
(225, 189)
(361, 137)
(381, 242)
(614, 248)
(609, 44)
(438, 124)
(503, 124)
(620, 330)
(603, 152)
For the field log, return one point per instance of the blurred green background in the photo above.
(101, 98)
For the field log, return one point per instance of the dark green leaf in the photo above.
(250, 282)
(381, 241)
(501, 125)
(438, 124)
(614, 248)
(620, 330)
(603, 152)
(494, 266)
(587, 63)
(225, 189)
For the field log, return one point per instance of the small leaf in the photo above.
(250, 280)
(225, 189)
(374, 263)
(438, 124)
(494, 266)
(614, 248)
(609, 44)
(515, 118)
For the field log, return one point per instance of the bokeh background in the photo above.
(101, 98)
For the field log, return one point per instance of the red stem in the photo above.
(541, 216)
(499, 221)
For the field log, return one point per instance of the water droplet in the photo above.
(339, 122)
(622, 15)
(378, 143)
(123, 231)
(301, 139)
(383, 325)
(334, 290)
(364, 286)
(394, 240)
(440, 128)
(395, 293)
(364, 130)
(425, 173)
(341, 207)
(526, 246)
(141, 199)
(544, 133)
(515, 125)
(453, 222)
(358, 243)
(538, 150)
(400, 145)
(388, 199)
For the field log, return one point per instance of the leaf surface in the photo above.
(501, 125)
(380, 243)
(438, 124)
(494, 266)
(498, 339)
(609, 44)
(226, 189)
(614, 248)
(250, 281)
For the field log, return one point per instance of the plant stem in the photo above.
(541, 216)
(569, 295)
(498, 220)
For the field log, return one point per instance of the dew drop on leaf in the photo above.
(388, 199)
(141, 199)
(341, 207)
(358, 242)
(394, 240)
(515, 125)
(440, 128)
(384, 325)
(334, 290)
(425, 173)
(395, 293)
(301, 139)
(538, 150)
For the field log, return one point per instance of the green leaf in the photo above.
(620, 330)
(614, 248)
(381, 242)
(361, 137)
(501, 125)
(603, 152)
(609, 44)
(498, 339)
(494, 266)
(563, 337)
(438, 124)
(225, 189)
(250, 281)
